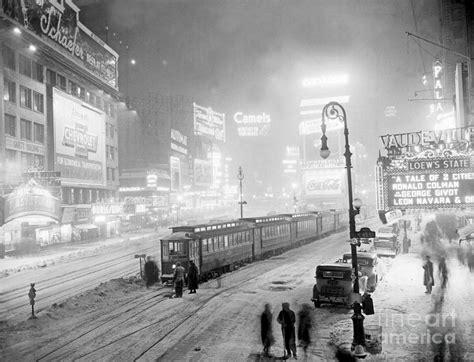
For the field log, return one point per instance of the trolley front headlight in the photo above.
(174, 266)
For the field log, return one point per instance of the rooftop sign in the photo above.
(57, 23)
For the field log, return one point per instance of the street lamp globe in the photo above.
(357, 203)
(325, 153)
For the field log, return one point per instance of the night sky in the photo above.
(251, 56)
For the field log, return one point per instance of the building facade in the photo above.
(61, 100)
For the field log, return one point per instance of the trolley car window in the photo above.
(226, 241)
(165, 249)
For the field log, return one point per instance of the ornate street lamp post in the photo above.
(334, 110)
(240, 176)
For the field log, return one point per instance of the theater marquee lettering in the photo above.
(440, 186)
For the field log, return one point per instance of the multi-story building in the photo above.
(61, 100)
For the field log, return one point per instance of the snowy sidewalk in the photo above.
(63, 252)
(418, 326)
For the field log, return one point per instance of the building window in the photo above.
(37, 71)
(10, 125)
(92, 99)
(74, 88)
(9, 92)
(30, 161)
(50, 77)
(38, 102)
(25, 130)
(81, 92)
(25, 97)
(25, 65)
(8, 57)
(113, 110)
(110, 152)
(39, 133)
(99, 104)
(10, 155)
(62, 82)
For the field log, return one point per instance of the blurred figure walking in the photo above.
(178, 280)
(266, 321)
(443, 272)
(470, 256)
(287, 319)
(152, 272)
(193, 277)
(428, 278)
(304, 327)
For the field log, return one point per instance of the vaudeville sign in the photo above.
(434, 177)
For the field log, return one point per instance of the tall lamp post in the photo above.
(240, 176)
(334, 110)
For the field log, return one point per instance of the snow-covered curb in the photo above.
(55, 255)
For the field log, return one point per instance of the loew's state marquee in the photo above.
(428, 173)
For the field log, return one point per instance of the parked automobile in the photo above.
(386, 242)
(368, 266)
(334, 284)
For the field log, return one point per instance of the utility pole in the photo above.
(240, 177)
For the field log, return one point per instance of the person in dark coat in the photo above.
(193, 277)
(152, 272)
(178, 280)
(304, 327)
(287, 319)
(266, 320)
(428, 278)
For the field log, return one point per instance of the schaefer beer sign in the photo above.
(57, 22)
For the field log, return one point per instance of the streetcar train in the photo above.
(221, 246)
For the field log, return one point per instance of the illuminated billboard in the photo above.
(208, 122)
(57, 23)
(31, 199)
(431, 183)
(79, 141)
(252, 125)
(328, 182)
(427, 170)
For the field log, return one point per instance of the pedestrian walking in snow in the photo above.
(470, 256)
(287, 319)
(152, 272)
(266, 329)
(193, 277)
(443, 272)
(178, 280)
(428, 278)
(304, 327)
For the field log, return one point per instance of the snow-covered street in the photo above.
(122, 320)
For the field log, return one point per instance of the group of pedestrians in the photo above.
(428, 274)
(287, 319)
(179, 277)
(152, 276)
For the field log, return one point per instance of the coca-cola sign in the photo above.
(323, 183)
